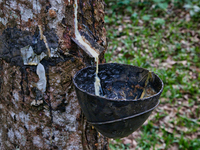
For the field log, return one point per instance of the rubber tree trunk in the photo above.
(38, 104)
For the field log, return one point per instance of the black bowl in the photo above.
(122, 127)
(122, 86)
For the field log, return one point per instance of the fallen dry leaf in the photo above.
(194, 68)
(127, 141)
(184, 62)
(174, 147)
(169, 63)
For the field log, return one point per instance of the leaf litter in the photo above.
(171, 46)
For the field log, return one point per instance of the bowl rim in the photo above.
(125, 118)
(120, 100)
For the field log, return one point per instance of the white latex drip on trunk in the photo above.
(94, 54)
(41, 84)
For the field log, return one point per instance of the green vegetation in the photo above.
(164, 37)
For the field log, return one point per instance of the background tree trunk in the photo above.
(51, 118)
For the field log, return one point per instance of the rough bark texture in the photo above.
(56, 122)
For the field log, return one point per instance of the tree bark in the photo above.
(38, 103)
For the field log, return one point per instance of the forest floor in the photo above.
(165, 40)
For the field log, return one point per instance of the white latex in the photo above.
(29, 57)
(41, 84)
(79, 37)
(94, 54)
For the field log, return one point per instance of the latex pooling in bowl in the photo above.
(120, 82)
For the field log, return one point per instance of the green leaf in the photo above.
(112, 147)
(187, 6)
(106, 19)
(192, 13)
(196, 8)
(159, 21)
(146, 17)
(134, 15)
(129, 9)
(158, 1)
(163, 5)
(124, 2)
